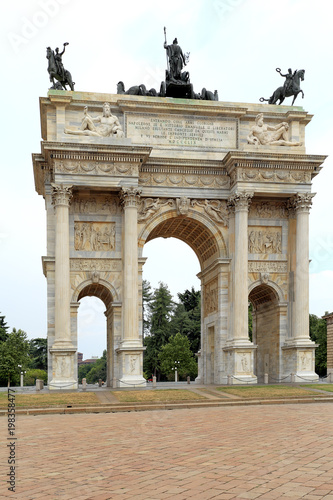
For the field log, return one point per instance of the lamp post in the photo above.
(177, 363)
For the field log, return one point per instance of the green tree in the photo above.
(161, 308)
(178, 350)
(98, 370)
(13, 352)
(38, 354)
(31, 376)
(146, 300)
(187, 317)
(84, 370)
(3, 329)
(318, 333)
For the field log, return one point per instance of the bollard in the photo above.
(188, 380)
(229, 381)
(84, 384)
(292, 378)
(100, 382)
(154, 382)
(266, 378)
(39, 384)
(114, 383)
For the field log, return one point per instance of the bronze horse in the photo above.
(294, 89)
(54, 74)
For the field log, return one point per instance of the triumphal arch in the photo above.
(231, 180)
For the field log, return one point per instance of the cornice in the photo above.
(261, 160)
(95, 152)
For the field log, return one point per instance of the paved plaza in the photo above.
(267, 451)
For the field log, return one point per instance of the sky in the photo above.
(234, 45)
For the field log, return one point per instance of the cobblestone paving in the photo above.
(266, 452)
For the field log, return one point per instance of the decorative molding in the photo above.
(105, 265)
(61, 195)
(130, 197)
(270, 266)
(96, 167)
(239, 201)
(104, 205)
(270, 175)
(268, 210)
(150, 206)
(215, 209)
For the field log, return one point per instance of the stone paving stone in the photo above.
(266, 452)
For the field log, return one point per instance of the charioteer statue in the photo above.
(177, 82)
(57, 71)
(291, 87)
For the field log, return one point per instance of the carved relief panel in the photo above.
(265, 239)
(211, 297)
(94, 236)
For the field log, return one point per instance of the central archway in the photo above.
(207, 239)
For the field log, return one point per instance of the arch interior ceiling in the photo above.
(96, 290)
(261, 295)
(194, 233)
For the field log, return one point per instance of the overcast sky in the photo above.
(234, 45)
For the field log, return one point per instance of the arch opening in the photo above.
(266, 332)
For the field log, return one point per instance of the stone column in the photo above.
(131, 349)
(302, 204)
(299, 351)
(130, 200)
(239, 349)
(240, 202)
(62, 350)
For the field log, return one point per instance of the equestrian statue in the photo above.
(291, 87)
(57, 71)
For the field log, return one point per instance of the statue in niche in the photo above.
(268, 135)
(291, 87)
(108, 124)
(57, 71)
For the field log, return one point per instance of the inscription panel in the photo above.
(185, 131)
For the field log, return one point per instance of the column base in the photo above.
(299, 361)
(130, 360)
(63, 369)
(240, 362)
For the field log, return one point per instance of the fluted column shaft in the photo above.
(61, 197)
(302, 204)
(239, 202)
(130, 200)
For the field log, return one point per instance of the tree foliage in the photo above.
(13, 352)
(187, 318)
(95, 371)
(178, 350)
(161, 308)
(38, 354)
(318, 333)
(3, 329)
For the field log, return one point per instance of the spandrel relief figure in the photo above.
(106, 125)
(268, 135)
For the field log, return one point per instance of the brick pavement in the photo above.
(266, 452)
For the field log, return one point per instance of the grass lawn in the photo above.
(269, 391)
(320, 387)
(161, 395)
(41, 400)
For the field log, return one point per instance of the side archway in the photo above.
(266, 329)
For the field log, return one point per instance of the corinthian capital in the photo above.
(302, 202)
(61, 195)
(239, 201)
(130, 197)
